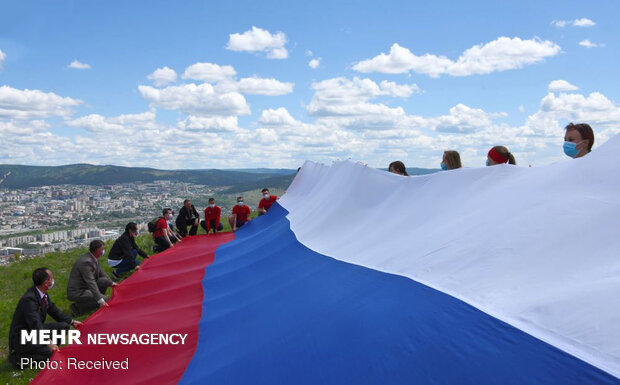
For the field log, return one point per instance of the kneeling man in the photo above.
(30, 314)
(88, 282)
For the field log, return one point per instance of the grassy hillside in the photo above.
(17, 176)
(16, 278)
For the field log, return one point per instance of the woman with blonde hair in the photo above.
(499, 155)
(451, 160)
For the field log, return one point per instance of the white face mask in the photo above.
(169, 216)
(51, 285)
(266, 196)
(103, 253)
(212, 205)
(240, 203)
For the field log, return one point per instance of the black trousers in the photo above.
(162, 244)
(182, 228)
(34, 352)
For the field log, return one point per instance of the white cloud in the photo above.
(561, 86)
(595, 108)
(209, 72)
(2, 58)
(277, 117)
(521, 108)
(122, 124)
(259, 40)
(79, 66)
(262, 86)
(215, 124)
(588, 44)
(349, 99)
(583, 22)
(314, 63)
(29, 104)
(163, 76)
(309, 53)
(399, 90)
(192, 99)
(498, 55)
(461, 119)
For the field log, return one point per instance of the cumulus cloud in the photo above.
(583, 22)
(588, 44)
(276, 117)
(461, 119)
(561, 86)
(2, 58)
(348, 100)
(214, 124)
(498, 55)
(595, 108)
(30, 104)
(79, 65)
(259, 40)
(209, 72)
(163, 76)
(126, 123)
(262, 86)
(195, 99)
(314, 63)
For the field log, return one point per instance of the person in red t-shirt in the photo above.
(266, 202)
(212, 218)
(240, 215)
(160, 235)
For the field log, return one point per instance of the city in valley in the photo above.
(37, 220)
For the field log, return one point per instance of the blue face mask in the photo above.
(488, 163)
(570, 149)
(443, 166)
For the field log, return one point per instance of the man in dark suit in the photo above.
(188, 216)
(30, 314)
(88, 282)
(123, 256)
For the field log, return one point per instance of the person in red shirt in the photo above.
(240, 215)
(266, 202)
(160, 235)
(212, 217)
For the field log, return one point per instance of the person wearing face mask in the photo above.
(451, 160)
(88, 282)
(161, 234)
(578, 140)
(266, 202)
(500, 155)
(30, 314)
(188, 216)
(124, 252)
(213, 214)
(240, 214)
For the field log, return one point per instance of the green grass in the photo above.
(16, 278)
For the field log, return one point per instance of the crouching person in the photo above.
(162, 234)
(30, 314)
(124, 253)
(213, 214)
(88, 282)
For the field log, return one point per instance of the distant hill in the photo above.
(17, 176)
(274, 171)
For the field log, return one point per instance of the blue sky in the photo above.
(374, 96)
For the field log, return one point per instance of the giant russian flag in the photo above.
(498, 275)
